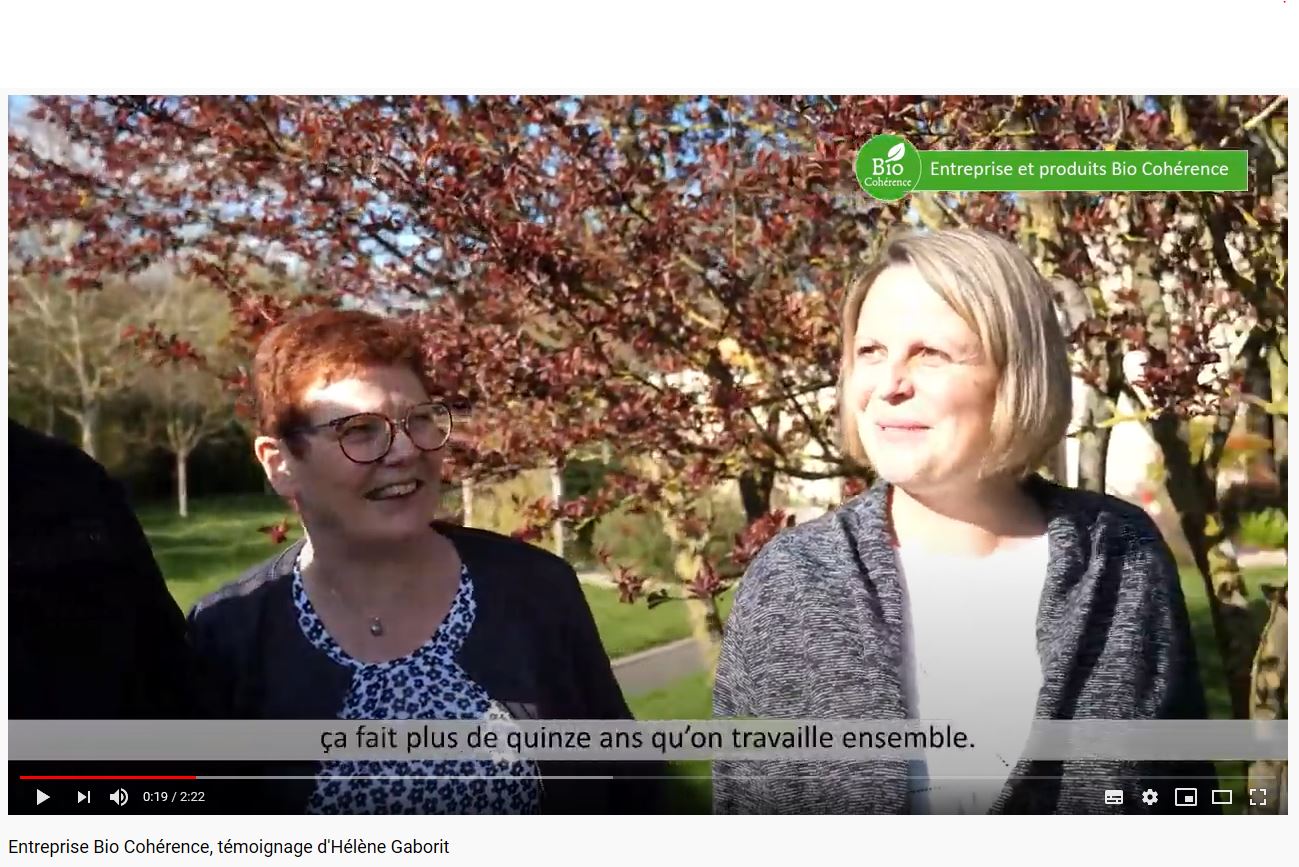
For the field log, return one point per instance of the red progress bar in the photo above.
(109, 777)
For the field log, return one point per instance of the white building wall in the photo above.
(1131, 451)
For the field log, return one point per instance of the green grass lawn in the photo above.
(214, 545)
(627, 628)
(219, 540)
(689, 698)
(1206, 647)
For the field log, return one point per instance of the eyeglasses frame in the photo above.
(392, 424)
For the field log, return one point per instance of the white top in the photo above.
(971, 658)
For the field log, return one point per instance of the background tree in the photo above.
(662, 274)
(67, 346)
(184, 401)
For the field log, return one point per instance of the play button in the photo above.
(41, 797)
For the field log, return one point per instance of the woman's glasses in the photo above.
(366, 437)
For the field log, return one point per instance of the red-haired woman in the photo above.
(382, 612)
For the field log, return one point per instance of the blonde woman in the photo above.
(962, 586)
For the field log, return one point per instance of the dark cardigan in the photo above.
(533, 646)
(93, 631)
(816, 633)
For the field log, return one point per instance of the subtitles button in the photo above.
(1185, 797)
(1114, 796)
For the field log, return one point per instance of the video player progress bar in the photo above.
(264, 777)
(413, 777)
(108, 777)
(202, 777)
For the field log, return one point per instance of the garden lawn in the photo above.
(691, 790)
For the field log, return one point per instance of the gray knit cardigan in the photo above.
(816, 632)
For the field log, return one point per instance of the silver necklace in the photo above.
(376, 622)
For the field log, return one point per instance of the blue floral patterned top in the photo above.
(426, 684)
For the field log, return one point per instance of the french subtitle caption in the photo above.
(629, 740)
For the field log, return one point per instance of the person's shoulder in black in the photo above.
(93, 631)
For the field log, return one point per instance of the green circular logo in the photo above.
(888, 167)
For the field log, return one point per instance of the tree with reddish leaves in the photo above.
(661, 276)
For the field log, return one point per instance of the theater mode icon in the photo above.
(1114, 796)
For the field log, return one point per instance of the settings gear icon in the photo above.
(1149, 797)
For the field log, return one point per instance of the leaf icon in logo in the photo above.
(896, 152)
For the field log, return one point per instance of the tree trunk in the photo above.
(1268, 699)
(557, 495)
(1258, 421)
(89, 418)
(755, 491)
(1094, 442)
(1191, 488)
(687, 561)
(182, 482)
(467, 502)
(47, 383)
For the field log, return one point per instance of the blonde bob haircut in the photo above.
(994, 287)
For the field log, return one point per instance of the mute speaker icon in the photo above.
(118, 797)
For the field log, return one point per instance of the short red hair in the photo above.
(322, 347)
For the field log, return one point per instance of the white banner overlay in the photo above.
(624, 740)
